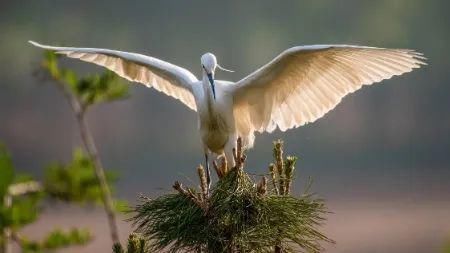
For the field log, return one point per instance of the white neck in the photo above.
(207, 88)
(207, 91)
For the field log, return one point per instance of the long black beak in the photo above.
(211, 81)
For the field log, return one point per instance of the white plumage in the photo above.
(297, 87)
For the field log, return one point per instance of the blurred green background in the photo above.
(381, 158)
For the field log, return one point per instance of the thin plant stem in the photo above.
(91, 148)
(89, 144)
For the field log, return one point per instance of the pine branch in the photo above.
(236, 216)
(238, 155)
(189, 194)
(289, 172)
(278, 156)
(135, 245)
(203, 183)
(262, 186)
(221, 168)
(273, 175)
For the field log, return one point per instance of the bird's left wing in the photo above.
(303, 83)
(165, 77)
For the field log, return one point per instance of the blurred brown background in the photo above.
(381, 158)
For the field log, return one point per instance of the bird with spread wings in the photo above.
(297, 87)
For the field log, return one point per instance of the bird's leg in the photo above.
(208, 172)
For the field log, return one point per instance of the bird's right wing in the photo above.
(165, 77)
(303, 83)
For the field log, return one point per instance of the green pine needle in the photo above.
(238, 220)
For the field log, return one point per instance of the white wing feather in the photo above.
(163, 76)
(303, 83)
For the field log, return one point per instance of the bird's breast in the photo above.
(215, 119)
(214, 132)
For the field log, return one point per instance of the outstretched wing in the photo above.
(163, 76)
(303, 83)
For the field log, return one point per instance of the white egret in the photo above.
(297, 87)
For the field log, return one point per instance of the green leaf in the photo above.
(70, 77)
(50, 63)
(447, 247)
(25, 209)
(90, 90)
(136, 244)
(6, 171)
(57, 239)
(122, 206)
(101, 88)
(75, 181)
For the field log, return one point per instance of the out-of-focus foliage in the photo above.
(84, 179)
(75, 181)
(91, 89)
(57, 239)
(121, 206)
(136, 244)
(24, 209)
(446, 248)
(101, 88)
(6, 171)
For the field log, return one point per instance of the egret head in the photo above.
(209, 64)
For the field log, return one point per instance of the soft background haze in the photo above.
(381, 158)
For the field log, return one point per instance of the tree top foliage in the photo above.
(90, 90)
(238, 215)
